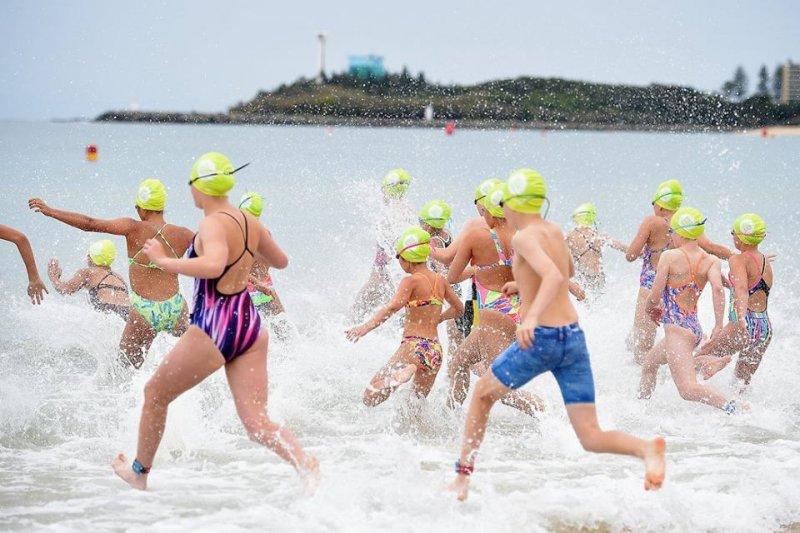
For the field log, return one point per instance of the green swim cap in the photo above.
(526, 191)
(484, 188)
(688, 222)
(494, 198)
(750, 228)
(396, 182)
(152, 195)
(435, 213)
(252, 203)
(584, 215)
(669, 195)
(102, 252)
(212, 174)
(414, 245)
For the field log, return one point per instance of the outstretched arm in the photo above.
(398, 301)
(71, 286)
(723, 252)
(116, 226)
(637, 245)
(36, 287)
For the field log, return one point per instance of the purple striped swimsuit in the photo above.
(230, 320)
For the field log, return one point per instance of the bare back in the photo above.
(155, 283)
(586, 245)
(687, 264)
(483, 252)
(242, 233)
(551, 241)
(424, 306)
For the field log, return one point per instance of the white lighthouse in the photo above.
(321, 72)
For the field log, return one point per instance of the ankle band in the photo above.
(139, 468)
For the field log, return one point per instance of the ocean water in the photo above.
(62, 418)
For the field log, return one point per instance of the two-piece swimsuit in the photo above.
(759, 328)
(230, 320)
(490, 298)
(674, 312)
(428, 351)
(590, 281)
(161, 315)
(94, 297)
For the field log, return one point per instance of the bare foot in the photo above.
(309, 473)
(714, 365)
(654, 463)
(460, 486)
(122, 467)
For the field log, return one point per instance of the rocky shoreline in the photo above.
(158, 117)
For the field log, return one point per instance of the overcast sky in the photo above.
(78, 58)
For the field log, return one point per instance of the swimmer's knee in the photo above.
(154, 396)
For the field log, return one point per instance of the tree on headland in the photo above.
(736, 89)
(777, 82)
(763, 82)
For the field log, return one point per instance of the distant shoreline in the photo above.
(155, 117)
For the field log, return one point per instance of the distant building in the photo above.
(790, 84)
(366, 66)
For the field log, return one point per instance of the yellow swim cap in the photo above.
(252, 203)
(584, 215)
(396, 182)
(414, 245)
(669, 195)
(750, 228)
(102, 252)
(212, 174)
(688, 222)
(484, 188)
(493, 200)
(526, 191)
(435, 213)
(151, 196)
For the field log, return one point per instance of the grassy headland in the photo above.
(400, 100)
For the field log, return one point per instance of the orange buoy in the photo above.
(764, 132)
(91, 153)
(450, 128)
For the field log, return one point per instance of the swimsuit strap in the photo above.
(502, 260)
(132, 260)
(245, 234)
(432, 299)
(760, 284)
(589, 245)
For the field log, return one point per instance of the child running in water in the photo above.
(260, 285)
(650, 242)
(432, 218)
(749, 330)
(36, 287)
(680, 277)
(422, 293)
(586, 244)
(548, 339)
(225, 329)
(108, 292)
(156, 302)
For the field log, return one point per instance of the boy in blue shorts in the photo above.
(548, 339)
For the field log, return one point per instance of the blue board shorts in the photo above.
(560, 350)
